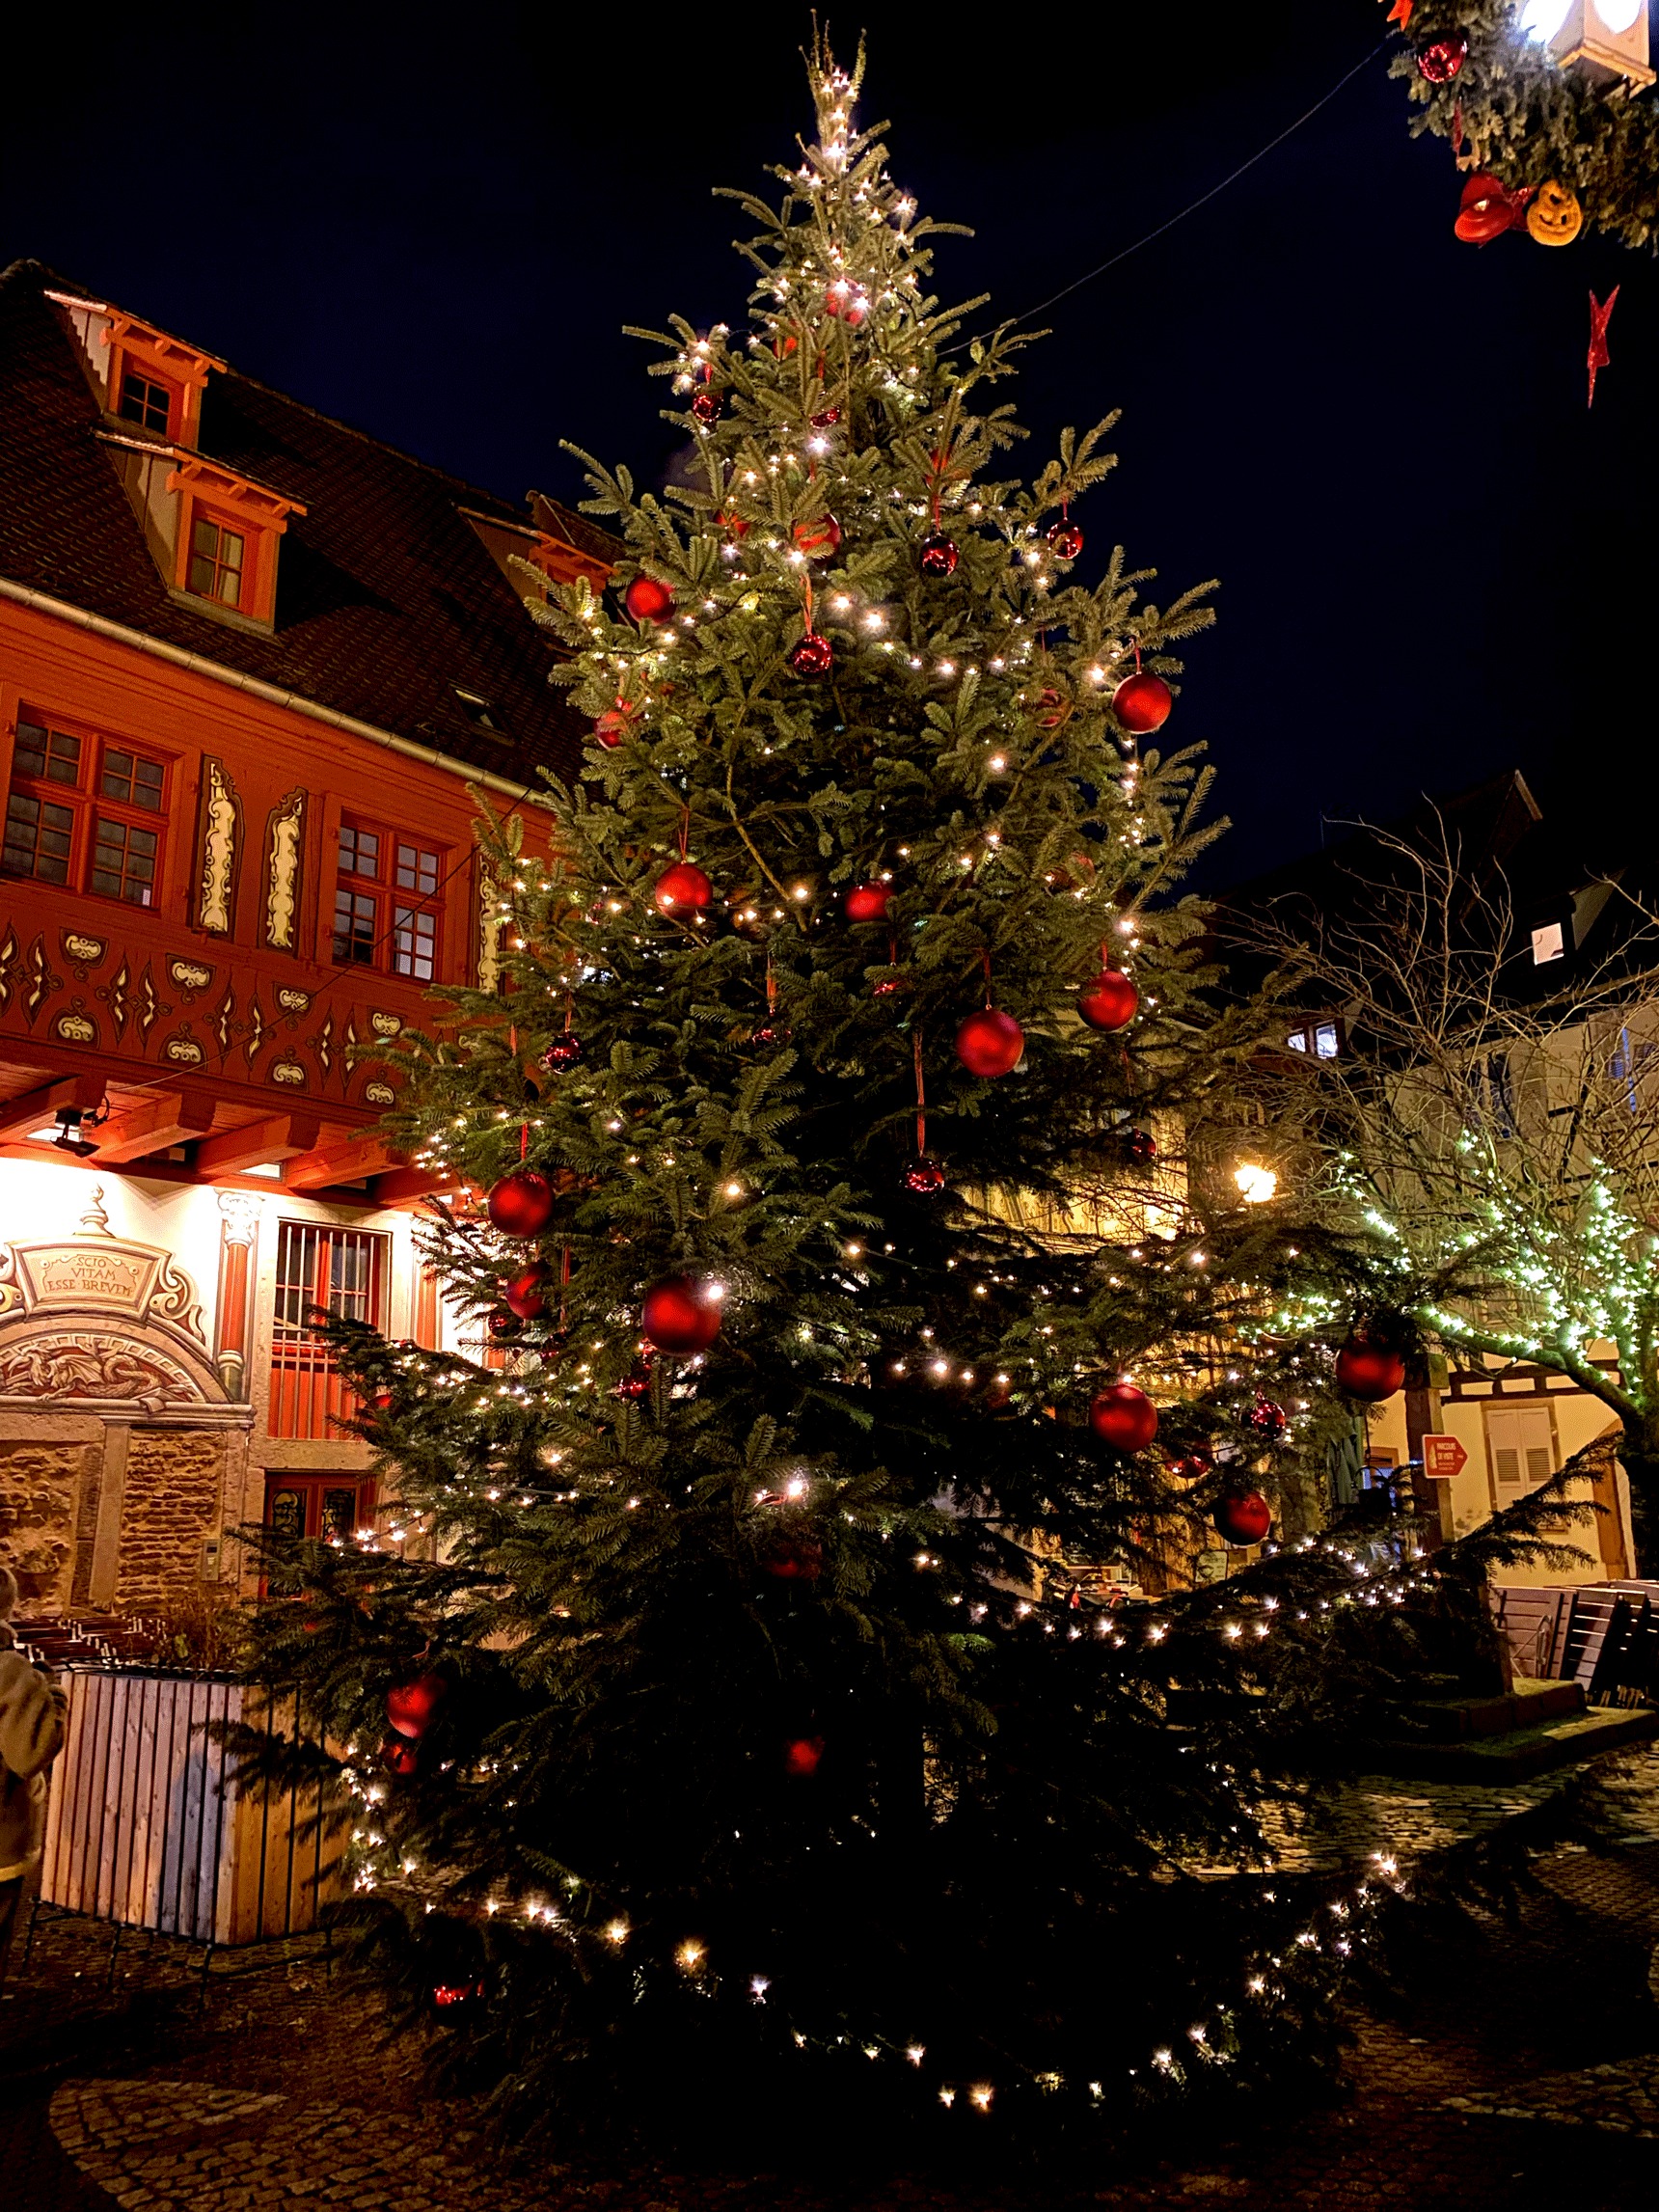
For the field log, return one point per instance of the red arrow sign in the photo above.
(1443, 1456)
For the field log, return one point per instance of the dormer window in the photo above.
(229, 528)
(216, 559)
(144, 401)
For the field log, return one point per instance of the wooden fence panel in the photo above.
(146, 1824)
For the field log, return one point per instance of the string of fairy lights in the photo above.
(379, 1865)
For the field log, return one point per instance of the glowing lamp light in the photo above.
(1257, 1185)
(1605, 39)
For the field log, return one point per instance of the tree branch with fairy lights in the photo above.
(1488, 1135)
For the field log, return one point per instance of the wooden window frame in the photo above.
(87, 801)
(390, 899)
(168, 388)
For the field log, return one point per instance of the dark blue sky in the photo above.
(1434, 561)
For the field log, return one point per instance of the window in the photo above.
(123, 862)
(1322, 1039)
(318, 1505)
(216, 554)
(1520, 1442)
(1548, 943)
(144, 400)
(342, 1271)
(388, 902)
(85, 814)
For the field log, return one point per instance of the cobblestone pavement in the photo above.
(1520, 2070)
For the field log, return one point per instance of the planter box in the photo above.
(145, 1824)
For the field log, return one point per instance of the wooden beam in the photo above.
(155, 1124)
(404, 1187)
(258, 1144)
(347, 1161)
(35, 1109)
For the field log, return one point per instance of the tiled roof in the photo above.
(387, 598)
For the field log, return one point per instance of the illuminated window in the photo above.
(216, 556)
(144, 400)
(1548, 943)
(1323, 1040)
(319, 1268)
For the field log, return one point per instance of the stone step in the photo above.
(1452, 1720)
(1512, 1755)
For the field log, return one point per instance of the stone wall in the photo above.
(173, 1478)
(42, 1489)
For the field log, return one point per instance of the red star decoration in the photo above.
(1600, 315)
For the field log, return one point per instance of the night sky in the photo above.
(1434, 563)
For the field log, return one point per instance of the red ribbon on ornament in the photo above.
(1600, 315)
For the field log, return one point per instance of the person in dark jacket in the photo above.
(32, 1711)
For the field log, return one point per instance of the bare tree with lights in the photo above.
(1491, 1133)
(735, 1742)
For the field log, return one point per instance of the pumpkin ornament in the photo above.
(1555, 217)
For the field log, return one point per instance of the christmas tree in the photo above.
(853, 1140)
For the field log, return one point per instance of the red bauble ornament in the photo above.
(647, 600)
(1243, 1517)
(382, 1401)
(826, 419)
(1066, 538)
(814, 656)
(682, 888)
(1368, 1370)
(1268, 1420)
(1441, 61)
(849, 301)
(680, 1315)
(448, 1993)
(795, 1558)
(819, 540)
(563, 1054)
(633, 1385)
(410, 1705)
(938, 554)
(803, 1754)
(1110, 1002)
(922, 1177)
(869, 902)
(990, 1042)
(398, 1756)
(1124, 1417)
(503, 1324)
(770, 1033)
(1140, 1146)
(1142, 702)
(525, 1296)
(708, 406)
(520, 1204)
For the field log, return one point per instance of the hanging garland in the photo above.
(1513, 112)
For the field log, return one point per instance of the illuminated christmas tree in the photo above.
(859, 1225)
